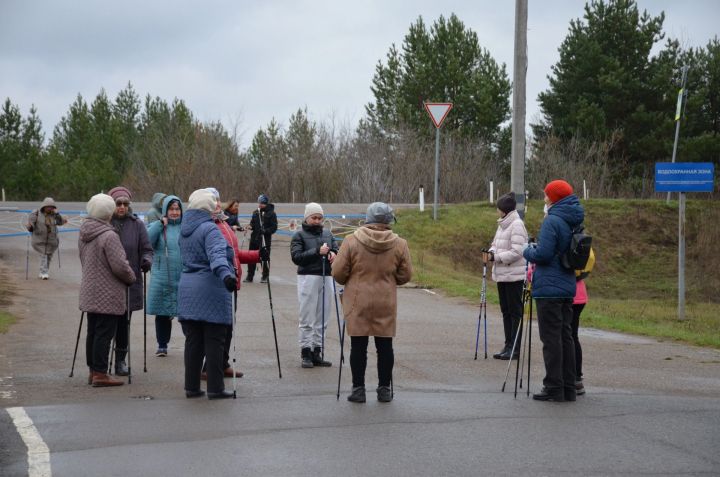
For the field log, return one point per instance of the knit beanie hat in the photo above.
(263, 199)
(101, 206)
(379, 213)
(202, 199)
(214, 192)
(558, 189)
(120, 191)
(506, 203)
(313, 208)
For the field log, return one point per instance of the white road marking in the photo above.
(430, 292)
(38, 453)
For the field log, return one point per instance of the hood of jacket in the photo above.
(268, 208)
(504, 222)
(157, 200)
(166, 203)
(193, 219)
(568, 209)
(376, 238)
(92, 228)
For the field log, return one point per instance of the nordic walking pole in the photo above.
(512, 352)
(77, 341)
(529, 332)
(112, 354)
(234, 339)
(145, 322)
(322, 330)
(59, 267)
(127, 311)
(341, 336)
(337, 314)
(27, 256)
(272, 311)
(483, 308)
(517, 367)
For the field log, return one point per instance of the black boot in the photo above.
(307, 358)
(317, 358)
(121, 368)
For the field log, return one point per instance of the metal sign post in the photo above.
(438, 112)
(682, 94)
(683, 177)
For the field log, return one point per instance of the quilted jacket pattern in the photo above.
(106, 273)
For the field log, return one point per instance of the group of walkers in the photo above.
(520, 264)
(196, 268)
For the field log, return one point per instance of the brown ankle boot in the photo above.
(101, 380)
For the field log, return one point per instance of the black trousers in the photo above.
(204, 340)
(577, 310)
(121, 334)
(100, 331)
(255, 245)
(163, 330)
(358, 359)
(226, 349)
(554, 324)
(511, 306)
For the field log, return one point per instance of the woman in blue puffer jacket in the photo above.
(166, 269)
(204, 295)
(553, 287)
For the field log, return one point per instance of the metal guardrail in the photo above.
(13, 220)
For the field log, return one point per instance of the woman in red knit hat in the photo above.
(553, 288)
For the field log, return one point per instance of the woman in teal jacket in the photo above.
(166, 270)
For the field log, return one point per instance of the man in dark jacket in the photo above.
(553, 288)
(263, 225)
(136, 243)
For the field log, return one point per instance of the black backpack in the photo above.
(577, 255)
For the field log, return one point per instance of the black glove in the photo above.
(145, 266)
(230, 283)
(264, 254)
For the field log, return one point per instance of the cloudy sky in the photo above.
(244, 62)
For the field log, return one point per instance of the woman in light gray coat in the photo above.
(509, 270)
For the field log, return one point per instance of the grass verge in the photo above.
(6, 319)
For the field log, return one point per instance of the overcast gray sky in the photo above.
(245, 62)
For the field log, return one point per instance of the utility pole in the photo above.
(682, 94)
(517, 164)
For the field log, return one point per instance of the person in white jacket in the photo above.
(509, 270)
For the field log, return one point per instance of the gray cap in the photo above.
(379, 213)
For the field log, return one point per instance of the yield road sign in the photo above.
(438, 112)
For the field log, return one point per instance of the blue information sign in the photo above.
(684, 176)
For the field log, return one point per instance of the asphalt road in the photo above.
(651, 407)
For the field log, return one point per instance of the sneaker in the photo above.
(43, 276)
(161, 352)
(357, 395)
(264, 280)
(384, 394)
(248, 280)
(579, 388)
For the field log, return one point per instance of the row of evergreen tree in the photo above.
(608, 115)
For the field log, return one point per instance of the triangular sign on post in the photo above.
(438, 112)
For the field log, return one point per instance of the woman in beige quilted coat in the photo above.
(371, 263)
(106, 274)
